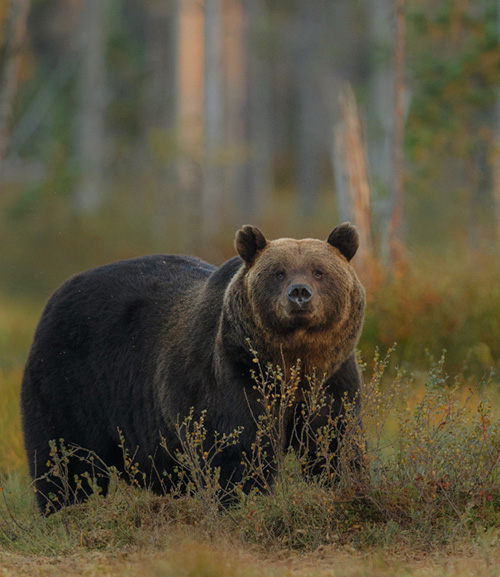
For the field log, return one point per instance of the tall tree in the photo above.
(258, 174)
(309, 33)
(13, 39)
(159, 111)
(236, 84)
(190, 112)
(398, 135)
(496, 151)
(92, 99)
(212, 118)
(351, 163)
(160, 50)
(379, 108)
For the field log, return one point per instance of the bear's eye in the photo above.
(318, 274)
(280, 275)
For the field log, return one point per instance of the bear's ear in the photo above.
(249, 241)
(345, 238)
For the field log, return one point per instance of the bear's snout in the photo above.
(299, 294)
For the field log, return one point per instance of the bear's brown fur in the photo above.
(324, 335)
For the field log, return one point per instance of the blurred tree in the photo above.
(350, 152)
(190, 112)
(308, 45)
(396, 221)
(211, 203)
(11, 47)
(379, 106)
(92, 150)
(190, 104)
(159, 109)
(259, 123)
(496, 150)
(235, 156)
(159, 85)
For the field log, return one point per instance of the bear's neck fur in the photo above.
(321, 351)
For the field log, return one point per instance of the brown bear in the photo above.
(126, 350)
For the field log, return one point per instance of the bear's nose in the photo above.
(299, 294)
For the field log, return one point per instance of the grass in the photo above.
(431, 505)
(432, 502)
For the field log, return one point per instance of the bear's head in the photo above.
(304, 294)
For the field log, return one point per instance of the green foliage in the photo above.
(453, 61)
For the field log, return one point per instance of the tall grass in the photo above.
(17, 324)
(430, 478)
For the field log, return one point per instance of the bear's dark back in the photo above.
(98, 337)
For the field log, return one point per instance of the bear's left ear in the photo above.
(249, 241)
(345, 238)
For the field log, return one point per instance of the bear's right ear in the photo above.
(345, 238)
(249, 241)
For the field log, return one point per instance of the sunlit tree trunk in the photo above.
(91, 147)
(352, 166)
(11, 45)
(190, 113)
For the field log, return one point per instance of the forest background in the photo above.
(131, 127)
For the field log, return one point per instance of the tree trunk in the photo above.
(159, 83)
(395, 224)
(258, 179)
(15, 30)
(212, 188)
(342, 196)
(379, 105)
(236, 84)
(92, 96)
(351, 161)
(190, 115)
(159, 108)
(496, 153)
(309, 137)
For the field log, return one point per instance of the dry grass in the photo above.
(432, 506)
(187, 557)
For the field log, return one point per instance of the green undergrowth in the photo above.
(429, 481)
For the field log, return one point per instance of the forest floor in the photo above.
(190, 558)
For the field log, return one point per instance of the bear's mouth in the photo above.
(299, 309)
(300, 312)
(300, 316)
